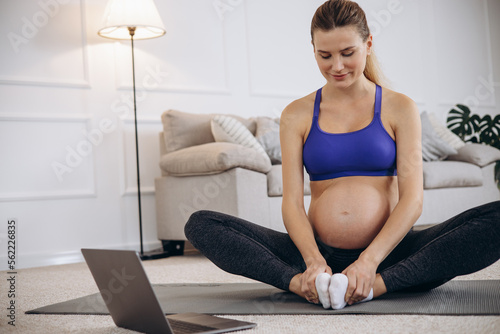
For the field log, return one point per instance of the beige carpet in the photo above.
(38, 287)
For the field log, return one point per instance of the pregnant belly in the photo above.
(351, 211)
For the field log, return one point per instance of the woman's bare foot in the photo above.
(379, 287)
(296, 287)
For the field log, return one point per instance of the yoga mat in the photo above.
(480, 297)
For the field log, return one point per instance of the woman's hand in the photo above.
(361, 275)
(308, 278)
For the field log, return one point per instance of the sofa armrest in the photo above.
(213, 158)
(477, 154)
(451, 174)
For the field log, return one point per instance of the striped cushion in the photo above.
(444, 133)
(228, 129)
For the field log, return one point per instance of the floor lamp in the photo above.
(134, 19)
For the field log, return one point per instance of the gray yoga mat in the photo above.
(481, 297)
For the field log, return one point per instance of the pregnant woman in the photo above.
(361, 145)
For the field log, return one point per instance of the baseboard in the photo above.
(43, 259)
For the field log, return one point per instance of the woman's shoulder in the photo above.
(396, 99)
(299, 110)
(397, 104)
(400, 111)
(296, 118)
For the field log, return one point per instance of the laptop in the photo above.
(132, 303)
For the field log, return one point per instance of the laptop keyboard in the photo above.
(182, 327)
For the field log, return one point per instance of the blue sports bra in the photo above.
(366, 152)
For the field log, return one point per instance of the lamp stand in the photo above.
(155, 254)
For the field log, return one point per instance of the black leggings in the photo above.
(423, 260)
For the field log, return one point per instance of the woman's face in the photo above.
(341, 55)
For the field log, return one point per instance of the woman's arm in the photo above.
(292, 130)
(407, 129)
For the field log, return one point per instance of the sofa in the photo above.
(233, 165)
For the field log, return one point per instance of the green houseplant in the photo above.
(474, 129)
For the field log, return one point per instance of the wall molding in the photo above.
(489, 47)
(31, 260)
(44, 117)
(174, 88)
(43, 82)
(191, 89)
(492, 102)
(483, 105)
(252, 91)
(132, 191)
(59, 194)
(276, 94)
(48, 195)
(59, 83)
(127, 190)
(142, 119)
(179, 89)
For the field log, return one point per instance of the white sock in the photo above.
(322, 283)
(338, 288)
(367, 299)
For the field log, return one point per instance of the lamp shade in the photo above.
(120, 15)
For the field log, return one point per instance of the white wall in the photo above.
(60, 80)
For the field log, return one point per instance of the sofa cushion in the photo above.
(477, 154)
(444, 133)
(275, 182)
(184, 129)
(449, 174)
(268, 135)
(433, 147)
(230, 130)
(212, 158)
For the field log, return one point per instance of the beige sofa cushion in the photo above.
(437, 174)
(275, 182)
(449, 174)
(230, 130)
(184, 129)
(212, 158)
(444, 133)
(433, 147)
(268, 135)
(477, 154)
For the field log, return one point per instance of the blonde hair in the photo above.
(340, 13)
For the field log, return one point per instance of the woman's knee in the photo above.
(491, 210)
(490, 214)
(196, 224)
